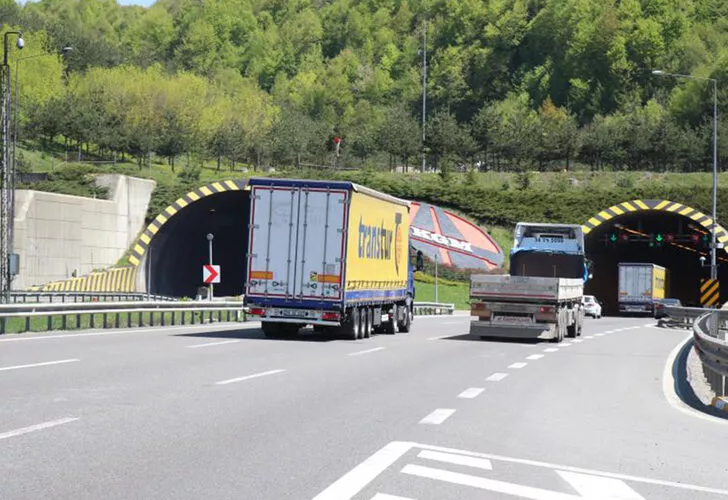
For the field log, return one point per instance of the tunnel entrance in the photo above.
(672, 239)
(177, 252)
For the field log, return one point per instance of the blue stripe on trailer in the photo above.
(292, 303)
(372, 295)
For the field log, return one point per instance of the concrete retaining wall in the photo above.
(60, 236)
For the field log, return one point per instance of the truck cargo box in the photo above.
(506, 288)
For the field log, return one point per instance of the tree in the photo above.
(399, 135)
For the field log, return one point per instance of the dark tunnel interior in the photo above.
(180, 248)
(666, 239)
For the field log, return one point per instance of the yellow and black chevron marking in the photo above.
(139, 247)
(709, 292)
(658, 205)
(120, 279)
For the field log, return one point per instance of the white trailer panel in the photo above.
(525, 288)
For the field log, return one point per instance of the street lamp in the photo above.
(713, 245)
(7, 176)
(64, 51)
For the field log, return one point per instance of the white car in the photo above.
(592, 307)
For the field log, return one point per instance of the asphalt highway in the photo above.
(193, 412)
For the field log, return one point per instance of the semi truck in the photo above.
(331, 254)
(640, 285)
(542, 296)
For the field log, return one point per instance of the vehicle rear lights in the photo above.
(546, 309)
(257, 311)
(477, 306)
(331, 316)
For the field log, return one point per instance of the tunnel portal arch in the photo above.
(173, 248)
(642, 217)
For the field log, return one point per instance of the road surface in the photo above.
(187, 414)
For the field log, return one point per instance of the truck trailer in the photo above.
(330, 254)
(542, 297)
(640, 285)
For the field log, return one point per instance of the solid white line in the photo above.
(384, 496)
(536, 463)
(47, 363)
(517, 365)
(599, 335)
(670, 392)
(357, 478)
(497, 377)
(590, 486)
(551, 349)
(471, 393)
(486, 484)
(359, 353)
(209, 344)
(242, 326)
(248, 377)
(438, 416)
(456, 459)
(37, 427)
(534, 357)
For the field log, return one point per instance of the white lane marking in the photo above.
(670, 390)
(210, 344)
(438, 416)
(471, 393)
(457, 459)
(243, 326)
(588, 337)
(565, 344)
(534, 357)
(590, 486)
(248, 377)
(486, 484)
(357, 478)
(576, 341)
(610, 331)
(34, 365)
(599, 335)
(517, 365)
(551, 349)
(359, 353)
(346, 487)
(384, 496)
(37, 427)
(497, 377)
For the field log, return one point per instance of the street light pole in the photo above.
(713, 241)
(424, 89)
(210, 237)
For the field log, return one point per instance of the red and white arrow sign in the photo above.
(210, 274)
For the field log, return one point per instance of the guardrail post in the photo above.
(2, 326)
(92, 321)
(78, 321)
(117, 323)
(27, 323)
(64, 320)
(49, 323)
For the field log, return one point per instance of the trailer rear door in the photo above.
(297, 242)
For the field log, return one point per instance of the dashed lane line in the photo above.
(517, 365)
(471, 393)
(551, 349)
(35, 365)
(368, 351)
(37, 427)
(210, 344)
(497, 377)
(248, 377)
(438, 416)
(534, 357)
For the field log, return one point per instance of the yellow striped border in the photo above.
(118, 279)
(659, 205)
(140, 246)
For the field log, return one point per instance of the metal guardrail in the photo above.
(166, 312)
(683, 316)
(432, 308)
(23, 297)
(710, 337)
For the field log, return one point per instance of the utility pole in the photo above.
(713, 243)
(424, 88)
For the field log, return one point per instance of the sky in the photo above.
(144, 3)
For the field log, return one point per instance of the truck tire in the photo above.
(405, 325)
(370, 323)
(390, 326)
(349, 329)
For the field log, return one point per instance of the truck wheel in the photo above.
(349, 329)
(390, 326)
(370, 322)
(405, 325)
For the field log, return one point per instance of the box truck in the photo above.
(640, 285)
(330, 254)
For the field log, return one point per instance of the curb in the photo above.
(721, 403)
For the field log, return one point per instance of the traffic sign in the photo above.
(210, 274)
(709, 292)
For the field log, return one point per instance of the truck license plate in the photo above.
(292, 313)
(519, 320)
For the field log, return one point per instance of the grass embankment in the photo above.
(448, 291)
(122, 320)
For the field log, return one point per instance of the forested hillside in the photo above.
(512, 84)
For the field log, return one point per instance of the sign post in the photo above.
(214, 273)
